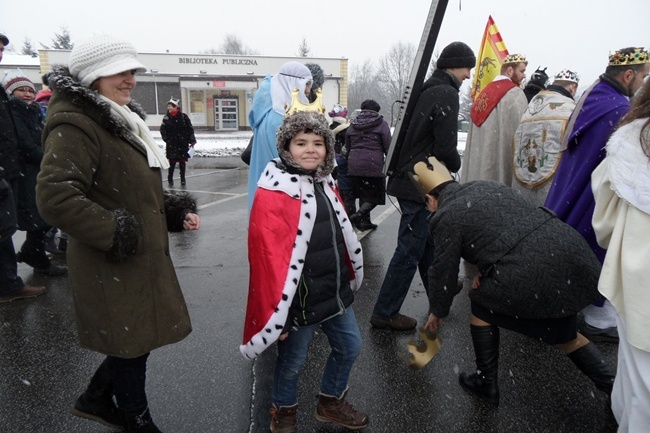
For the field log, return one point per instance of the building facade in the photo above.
(216, 91)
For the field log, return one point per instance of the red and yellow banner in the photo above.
(490, 56)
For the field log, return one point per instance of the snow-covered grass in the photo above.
(214, 144)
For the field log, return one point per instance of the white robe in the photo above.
(488, 153)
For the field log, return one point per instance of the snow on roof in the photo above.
(13, 59)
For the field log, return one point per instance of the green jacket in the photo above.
(96, 185)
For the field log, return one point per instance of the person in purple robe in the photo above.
(583, 148)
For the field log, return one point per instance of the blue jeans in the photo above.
(345, 340)
(414, 251)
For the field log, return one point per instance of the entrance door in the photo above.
(226, 114)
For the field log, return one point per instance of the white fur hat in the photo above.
(102, 56)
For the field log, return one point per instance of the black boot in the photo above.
(361, 219)
(181, 166)
(139, 421)
(96, 403)
(170, 174)
(483, 383)
(593, 364)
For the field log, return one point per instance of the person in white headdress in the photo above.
(270, 104)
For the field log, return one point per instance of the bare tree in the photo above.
(362, 85)
(232, 44)
(434, 63)
(394, 70)
(303, 49)
(28, 49)
(466, 100)
(62, 41)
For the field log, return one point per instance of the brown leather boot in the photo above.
(332, 409)
(283, 420)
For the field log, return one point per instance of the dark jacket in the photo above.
(178, 133)
(96, 185)
(29, 127)
(366, 142)
(532, 264)
(324, 288)
(9, 157)
(433, 130)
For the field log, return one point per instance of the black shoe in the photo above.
(356, 219)
(139, 421)
(478, 385)
(52, 271)
(366, 225)
(607, 335)
(101, 409)
(170, 182)
(50, 247)
(183, 182)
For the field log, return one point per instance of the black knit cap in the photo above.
(4, 40)
(456, 55)
(370, 104)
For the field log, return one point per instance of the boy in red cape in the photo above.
(305, 263)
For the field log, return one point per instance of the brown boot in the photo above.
(283, 420)
(340, 411)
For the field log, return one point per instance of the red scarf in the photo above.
(488, 99)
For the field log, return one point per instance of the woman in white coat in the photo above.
(621, 186)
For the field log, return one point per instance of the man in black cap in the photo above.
(432, 131)
(11, 285)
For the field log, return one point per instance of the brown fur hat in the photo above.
(309, 121)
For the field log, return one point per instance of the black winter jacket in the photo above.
(29, 127)
(532, 264)
(178, 133)
(324, 289)
(433, 130)
(9, 157)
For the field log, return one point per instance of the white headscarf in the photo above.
(292, 75)
(155, 157)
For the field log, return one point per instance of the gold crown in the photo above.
(430, 174)
(297, 105)
(515, 58)
(628, 56)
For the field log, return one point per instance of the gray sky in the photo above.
(575, 34)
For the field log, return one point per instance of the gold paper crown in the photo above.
(297, 105)
(515, 58)
(431, 175)
(625, 57)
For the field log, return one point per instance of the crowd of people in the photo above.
(548, 214)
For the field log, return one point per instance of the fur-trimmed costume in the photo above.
(280, 228)
(96, 184)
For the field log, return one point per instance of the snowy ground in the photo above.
(212, 144)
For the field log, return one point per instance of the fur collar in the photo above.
(88, 102)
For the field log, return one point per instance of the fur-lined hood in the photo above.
(66, 88)
(306, 121)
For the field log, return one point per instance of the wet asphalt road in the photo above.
(203, 384)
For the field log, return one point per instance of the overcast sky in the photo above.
(553, 33)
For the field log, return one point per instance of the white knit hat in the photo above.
(15, 79)
(175, 102)
(102, 56)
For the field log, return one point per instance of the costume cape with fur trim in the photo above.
(281, 224)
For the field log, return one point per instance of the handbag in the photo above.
(246, 154)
